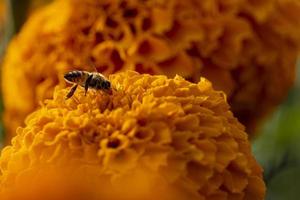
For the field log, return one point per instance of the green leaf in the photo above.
(285, 185)
(278, 150)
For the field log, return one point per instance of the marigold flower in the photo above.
(179, 135)
(246, 48)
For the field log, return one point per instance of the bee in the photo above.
(93, 80)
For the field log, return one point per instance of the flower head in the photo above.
(246, 48)
(152, 133)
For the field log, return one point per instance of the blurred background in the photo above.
(277, 147)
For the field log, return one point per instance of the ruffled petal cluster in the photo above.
(246, 48)
(151, 136)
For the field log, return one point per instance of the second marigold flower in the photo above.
(248, 49)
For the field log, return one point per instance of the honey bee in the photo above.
(93, 80)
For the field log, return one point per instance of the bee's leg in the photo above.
(71, 92)
(76, 99)
(87, 83)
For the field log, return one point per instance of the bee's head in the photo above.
(106, 85)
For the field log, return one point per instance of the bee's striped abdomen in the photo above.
(75, 76)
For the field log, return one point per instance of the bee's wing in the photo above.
(101, 75)
(95, 71)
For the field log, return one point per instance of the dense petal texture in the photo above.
(153, 137)
(247, 48)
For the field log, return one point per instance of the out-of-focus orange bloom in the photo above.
(246, 48)
(152, 138)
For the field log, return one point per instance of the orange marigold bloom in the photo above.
(246, 48)
(179, 135)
